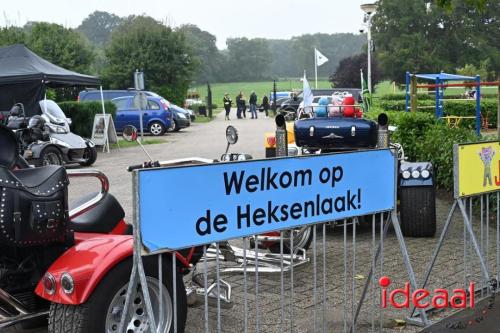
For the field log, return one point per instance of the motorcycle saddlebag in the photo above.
(34, 206)
(336, 133)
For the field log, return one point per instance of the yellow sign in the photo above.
(477, 168)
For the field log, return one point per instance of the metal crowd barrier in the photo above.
(476, 202)
(334, 286)
(358, 297)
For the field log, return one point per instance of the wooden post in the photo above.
(413, 93)
(209, 100)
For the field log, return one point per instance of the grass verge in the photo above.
(260, 88)
(202, 119)
(147, 141)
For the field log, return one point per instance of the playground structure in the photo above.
(440, 83)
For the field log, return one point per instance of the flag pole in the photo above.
(316, 67)
(361, 73)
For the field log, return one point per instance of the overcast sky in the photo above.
(224, 18)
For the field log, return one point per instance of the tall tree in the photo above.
(98, 26)
(282, 58)
(204, 51)
(248, 59)
(12, 35)
(478, 4)
(334, 46)
(347, 74)
(62, 46)
(163, 54)
(421, 36)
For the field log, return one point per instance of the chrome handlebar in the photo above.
(85, 207)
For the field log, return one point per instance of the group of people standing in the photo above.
(241, 105)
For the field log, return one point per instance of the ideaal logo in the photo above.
(423, 298)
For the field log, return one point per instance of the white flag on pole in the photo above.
(320, 58)
(307, 94)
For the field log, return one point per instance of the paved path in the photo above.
(206, 140)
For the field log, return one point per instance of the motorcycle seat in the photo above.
(41, 181)
(103, 218)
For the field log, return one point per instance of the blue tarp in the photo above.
(445, 77)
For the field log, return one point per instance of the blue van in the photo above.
(157, 117)
(89, 95)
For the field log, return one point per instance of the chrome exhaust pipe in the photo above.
(196, 294)
(12, 302)
(383, 131)
(4, 315)
(10, 321)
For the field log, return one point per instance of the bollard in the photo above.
(383, 131)
(281, 136)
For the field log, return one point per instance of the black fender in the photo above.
(419, 181)
(89, 143)
(37, 148)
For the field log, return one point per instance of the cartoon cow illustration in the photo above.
(486, 155)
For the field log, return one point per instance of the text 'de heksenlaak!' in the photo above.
(180, 207)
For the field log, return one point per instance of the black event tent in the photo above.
(24, 76)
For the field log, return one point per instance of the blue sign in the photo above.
(181, 207)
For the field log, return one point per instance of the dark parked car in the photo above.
(279, 101)
(291, 105)
(181, 118)
(157, 118)
(192, 115)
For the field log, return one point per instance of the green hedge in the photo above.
(425, 139)
(437, 147)
(451, 108)
(428, 97)
(411, 127)
(402, 97)
(82, 115)
(196, 107)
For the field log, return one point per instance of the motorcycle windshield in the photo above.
(53, 111)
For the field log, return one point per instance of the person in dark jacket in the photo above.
(238, 105)
(265, 105)
(227, 105)
(241, 105)
(253, 105)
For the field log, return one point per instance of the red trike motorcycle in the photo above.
(78, 260)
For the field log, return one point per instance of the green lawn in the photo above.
(260, 88)
(263, 88)
(386, 87)
(202, 119)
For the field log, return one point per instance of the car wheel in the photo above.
(176, 126)
(90, 155)
(156, 128)
(173, 126)
(51, 156)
